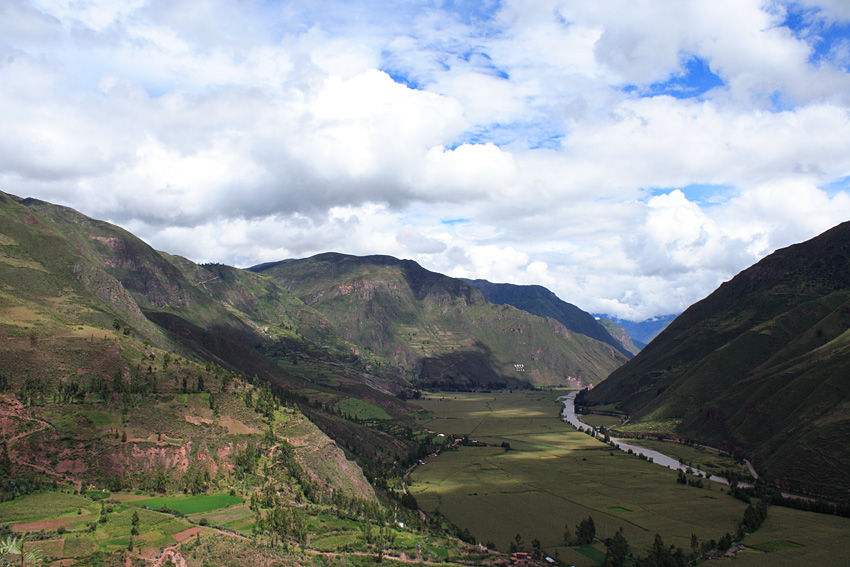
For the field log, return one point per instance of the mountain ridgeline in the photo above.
(428, 329)
(123, 367)
(391, 323)
(760, 366)
(640, 332)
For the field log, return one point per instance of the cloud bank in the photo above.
(629, 156)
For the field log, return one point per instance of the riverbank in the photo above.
(569, 415)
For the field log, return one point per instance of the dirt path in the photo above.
(171, 554)
(401, 559)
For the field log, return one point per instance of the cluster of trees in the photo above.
(281, 523)
(38, 388)
(682, 478)
(585, 532)
(378, 537)
(14, 487)
(774, 497)
(619, 552)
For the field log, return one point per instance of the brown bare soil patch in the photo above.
(76, 466)
(195, 420)
(234, 426)
(180, 537)
(43, 524)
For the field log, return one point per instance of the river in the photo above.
(569, 415)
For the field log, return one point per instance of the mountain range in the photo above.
(328, 328)
(640, 332)
(757, 367)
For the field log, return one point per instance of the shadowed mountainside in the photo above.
(760, 366)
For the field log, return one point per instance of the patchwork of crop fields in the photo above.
(554, 476)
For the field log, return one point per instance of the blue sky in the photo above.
(630, 156)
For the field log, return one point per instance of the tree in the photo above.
(586, 531)
(754, 516)
(537, 552)
(618, 550)
(134, 522)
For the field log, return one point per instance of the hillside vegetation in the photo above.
(759, 367)
(434, 331)
(542, 302)
(621, 336)
(235, 403)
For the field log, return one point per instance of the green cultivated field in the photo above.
(191, 504)
(554, 475)
(45, 506)
(791, 538)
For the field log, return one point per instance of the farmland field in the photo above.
(191, 504)
(45, 506)
(554, 476)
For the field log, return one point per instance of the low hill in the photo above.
(431, 330)
(542, 302)
(759, 367)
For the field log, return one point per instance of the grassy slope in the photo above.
(542, 302)
(421, 325)
(620, 335)
(758, 366)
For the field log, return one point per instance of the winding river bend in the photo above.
(569, 415)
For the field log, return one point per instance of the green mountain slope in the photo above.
(127, 373)
(540, 301)
(432, 330)
(77, 348)
(760, 366)
(620, 335)
(74, 275)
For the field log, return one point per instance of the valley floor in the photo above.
(529, 477)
